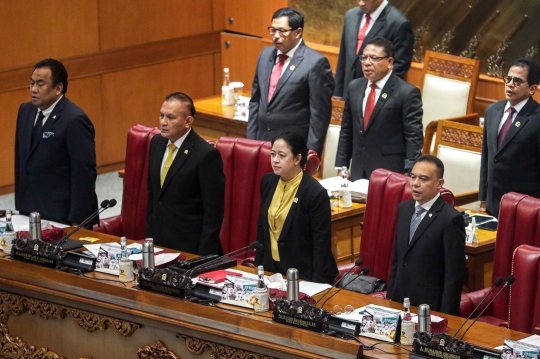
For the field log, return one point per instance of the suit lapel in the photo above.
(291, 215)
(378, 26)
(267, 73)
(287, 72)
(386, 93)
(29, 124)
(493, 127)
(360, 101)
(519, 123)
(53, 117)
(181, 156)
(430, 216)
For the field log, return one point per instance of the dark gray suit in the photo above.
(515, 167)
(393, 139)
(301, 103)
(392, 25)
(429, 270)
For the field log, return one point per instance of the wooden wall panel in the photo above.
(240, 57)
(32, 30)
(135, 96)
(123, 24)
(218, 15)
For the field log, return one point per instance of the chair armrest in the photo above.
(249, 262)
(431, 129)
(466, 197)
(469, 301)
(110, 225)
(378, 294)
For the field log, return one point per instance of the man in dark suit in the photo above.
(186, 184)
(372, 19)
(428, 265)
(382, 118)
(293, 85)
(55, 152)
(511, 143)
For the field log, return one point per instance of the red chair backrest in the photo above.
(524, 297)
(386, 191)
(135, 196)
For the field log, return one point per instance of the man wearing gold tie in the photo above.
(186, 183)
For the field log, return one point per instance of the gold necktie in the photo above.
(168, 163)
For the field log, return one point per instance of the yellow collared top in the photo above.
(279, 209)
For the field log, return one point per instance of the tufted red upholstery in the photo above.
(132, 220)
(524, 301)
(519, 223)
(244, 163)
(386, 191)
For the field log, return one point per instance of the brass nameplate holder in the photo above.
(165, 281)
(37, 252)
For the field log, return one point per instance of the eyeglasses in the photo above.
(280, 32)
(517, 81)
(373, 58)
(338, 310)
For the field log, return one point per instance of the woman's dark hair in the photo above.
(296, 143)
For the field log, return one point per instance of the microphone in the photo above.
(364, 271)
(509, 281)
(357, 263)
(106, 204)
(254, 246)
(497, 283)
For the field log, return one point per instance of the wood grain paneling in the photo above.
(32, 30)
(218, 15)
(124, 23)
(135, 96)
(240, 57)
(251, 17)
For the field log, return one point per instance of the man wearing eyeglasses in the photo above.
(511, 142)
(371, 19)
(382, 118)
(293, 86)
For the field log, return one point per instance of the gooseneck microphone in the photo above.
(357, 263)
(364, 271)
(509, 281)
(254, 246)
(497, 283)
(106, 204)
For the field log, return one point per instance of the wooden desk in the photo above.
(81, 317)
(213, 120)
(480, 261)
(347, 232)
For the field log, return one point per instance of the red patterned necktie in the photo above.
(370, 104)
(276, 74)
(362, 33)
(505, 127)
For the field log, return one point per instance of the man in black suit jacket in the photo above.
(302, 96)
(428, 265)
(511, 162)
(385, 21)
(186, 183)
(391, 137)
(55, 152)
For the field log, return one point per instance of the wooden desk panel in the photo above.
(212, 120)
(102, 319)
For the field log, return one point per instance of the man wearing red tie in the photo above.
(382, 118)
(372, 19)
(511, 144)
(293, 86)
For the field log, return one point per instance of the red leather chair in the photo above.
(524, 296)
(519, 223)
(244, 163)
(386, 191)
(132, 220)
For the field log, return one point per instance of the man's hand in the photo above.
(348, 174)
(482, 206)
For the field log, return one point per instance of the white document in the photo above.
(359, 188)
(532, 340)
(21, 223)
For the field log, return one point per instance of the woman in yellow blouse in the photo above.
(294, 221)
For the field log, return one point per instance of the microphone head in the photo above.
(364, 271)
(112, 203)
(510, 280)
(258, 246)
(498, 282)
(358, 262)
(105, 203)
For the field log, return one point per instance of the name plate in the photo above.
(165, 281)
(298, 322)
(441, 346)
(34, 258)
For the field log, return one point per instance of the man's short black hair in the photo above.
(296, 18)
(436, 161)
(58, 72)
(387, 46)
(533, 72)
(182, 97)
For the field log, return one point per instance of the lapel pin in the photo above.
(384, 95)
(430, 215)
(518, 124)
(295, 200)
(292, 67)
(186, 152)
(54, 117)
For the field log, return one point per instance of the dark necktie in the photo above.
(38, 126)
(370, 104)
(415, 221)
(505, 127)
(276, 74)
